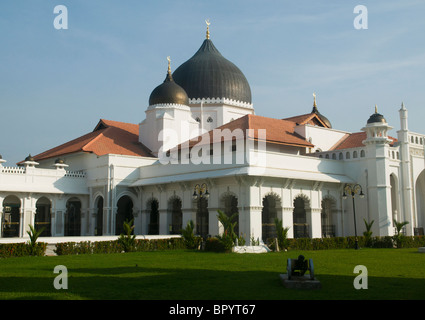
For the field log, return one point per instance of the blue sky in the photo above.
(57, 84)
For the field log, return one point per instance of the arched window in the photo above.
(73, 217)
(230, 204)
(354, 154)
(347, 155)
(341, 156)
(175, 207)
(202, 217)
(300, 218)
(268, 214)
(362, 154)
(99, 217)
(42, 220)
(152, 207)
(11, 217)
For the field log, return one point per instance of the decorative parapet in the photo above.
(222, 101)
(40, 172)
(75, 174)
(12, 170)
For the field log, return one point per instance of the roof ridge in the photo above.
(84, 147)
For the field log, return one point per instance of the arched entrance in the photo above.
(73, 217)
(175, 208)
(202, 217)
(328, 217)
(11, 217)
(99, 217)
(230, 205)
(152, 207)
(124, 213)
(420, 204)
(43, 216)
(268, 215)
(300, 218)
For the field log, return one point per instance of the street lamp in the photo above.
(353, 189)
(200, 191)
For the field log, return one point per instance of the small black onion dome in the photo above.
(59, 161)
(1, 158)
(376, 117)
(209, 75)
(168, 92)
(29, 158)
(322, 117)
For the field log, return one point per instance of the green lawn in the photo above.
(181, 275)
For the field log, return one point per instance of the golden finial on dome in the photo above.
(208, 28)
(169, 64)
(314, 102)
(376, 108)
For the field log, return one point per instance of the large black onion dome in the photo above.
(209, 75)
(376, 117)
(168, 92)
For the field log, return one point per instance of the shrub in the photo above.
(282, 234)
(399, 237)
(215, 244)
(127, 240)
(368, 233)
(22, 249)
(189, 237)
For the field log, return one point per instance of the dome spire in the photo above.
(314, 104)
(169, 65)
(208, 28)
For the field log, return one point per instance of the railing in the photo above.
(12, 170)
(75, 174)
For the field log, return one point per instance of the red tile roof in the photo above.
(309, 118)
(108, 137)
(277, 131)
(354, 140)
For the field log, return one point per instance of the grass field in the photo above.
(186, 275)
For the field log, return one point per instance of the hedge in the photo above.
(8, 250)
(349, 242)
(67, 248)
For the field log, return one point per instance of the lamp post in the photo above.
(200, 191)
(353, 189)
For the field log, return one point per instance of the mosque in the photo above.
(202, 147)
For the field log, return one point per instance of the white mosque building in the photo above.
(202, 148)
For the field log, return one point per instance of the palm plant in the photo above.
(282, 233)
(398, 237)
(368, 233)
(228, 224)
(128, 241)
(188, 235)
(33, 234)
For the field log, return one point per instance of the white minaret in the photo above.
(405, 168)
(378, 165)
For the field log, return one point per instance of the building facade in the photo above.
(202, 148)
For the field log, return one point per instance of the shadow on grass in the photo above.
(138, 282)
